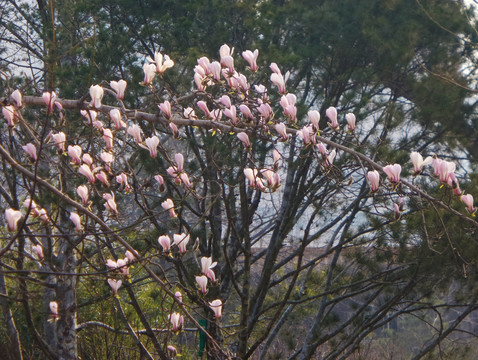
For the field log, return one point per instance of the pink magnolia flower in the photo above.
(121, 264)
(251, 58)
(115, 285)
(185, 179)
(374, 179)
(173, 172)
(189, 113)
(99, 125)
(228, 62)
(110, 204)
(314, 117)
(350, 121)
(244, 139)
(165, 107)
(59, 140)
(203, 106)
(203, 64)
(275, 69)
(54, 309)
(288, 105)
(85, 170)
(398, 213)
(276, 157)
(265, 110)
(76, 220)
(278, 79)
(261, 89)
(172, 350)
(160, 181)
(418, 162)
(177, 321)
(12, 217)
(216, 306)
(108, 138)
(165, 242)
(206, 268)
(101, 176)
(122, 179)
(149, 73)
(443, 169)
(151, 144)
(107, 158)
(119, 87)
(331, 113)
(17, 98)
(241, 82)
(393, 172)
(307, 135)
(130, 256)
(254, 181)
(231, 114)
(323, 150)
(199, 80)
(282, 130)
(225, 50)
(330, 158)
(273, 178)
(43, 215)
(468, 201)
(38, 249)
(162, 63)
(245, 111)
(89, 115)
(87, 159)
(226, 101)
(9, 114)
(115, 116)
(74, 152)
(111, 264)
(168, 205)
(454, 184)
(49, 99)
(214, 69)
(31, 206)
(60, 109)
(179, 296)
(230, 78)
(250, 175)
(96, 93)
(31, 150)
(202, 282)
(181, 240)
(135, 131)
(174, 129)
(179, 158)
(83, 193)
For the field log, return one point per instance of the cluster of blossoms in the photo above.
(207, 272)
(442, 169)
(178, 173)
(158, 65)
(179, 240)
(121, 266)
(243, 107)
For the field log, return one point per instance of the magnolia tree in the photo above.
(217, 224)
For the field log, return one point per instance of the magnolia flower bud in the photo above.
(96, 93)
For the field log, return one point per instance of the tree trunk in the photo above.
(66, 297)
(15, 349)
